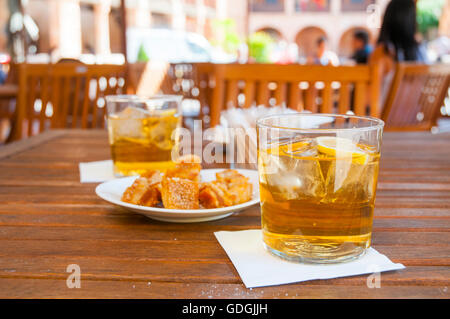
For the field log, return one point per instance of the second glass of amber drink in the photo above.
(141, 132)
(318, 178)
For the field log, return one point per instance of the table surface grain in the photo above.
(49, 220)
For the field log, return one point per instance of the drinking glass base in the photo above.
(318, 258)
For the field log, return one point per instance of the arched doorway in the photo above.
(345, 43)
(274, 33)
(307, 38)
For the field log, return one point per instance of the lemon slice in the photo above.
(170, 112)
(293, 147)
(343, 147)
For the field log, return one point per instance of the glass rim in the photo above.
(142, 98)
(379, 123)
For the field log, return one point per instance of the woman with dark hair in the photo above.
(397, 41)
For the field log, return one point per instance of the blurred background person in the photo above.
(323, 56)
(397, 41)
(4, 63)
(361, 47)
(22, 32)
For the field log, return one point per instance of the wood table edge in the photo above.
(28, 143)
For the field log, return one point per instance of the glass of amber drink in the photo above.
(318, 177)
(141, 132)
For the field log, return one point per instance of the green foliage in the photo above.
(142, 55)
(428, 14)
(225, 30)
(260, 45)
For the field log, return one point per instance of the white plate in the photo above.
(112, 192)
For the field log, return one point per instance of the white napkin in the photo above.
(258, 268)
(96, 172)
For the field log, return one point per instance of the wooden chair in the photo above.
(8, 97)
(324, 89)
(66, 95)
(146, 78)
(417, 92)
(193, 81)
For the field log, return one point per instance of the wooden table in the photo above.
(49, 220)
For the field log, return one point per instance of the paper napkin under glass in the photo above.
(96, 172)
(258, 268)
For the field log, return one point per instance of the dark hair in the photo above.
(321, 40)
(398, 30)
(362, 35)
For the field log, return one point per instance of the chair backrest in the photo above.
(416, 94)
(325, 89)
(8, 95)
(66, 95)
(192, 80)
(203, 85)
(146, 78)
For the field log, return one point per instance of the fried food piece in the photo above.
(186, 167)
(240, 192)
(231, 176)
(189, 159)
(214, 195)
(238, 186)
(136, 191)
(179, 188)
(179, 193)
(154, 178)
(158, 188)
(146, 190)
(152, 197)
(141, 193)
(208, 198)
